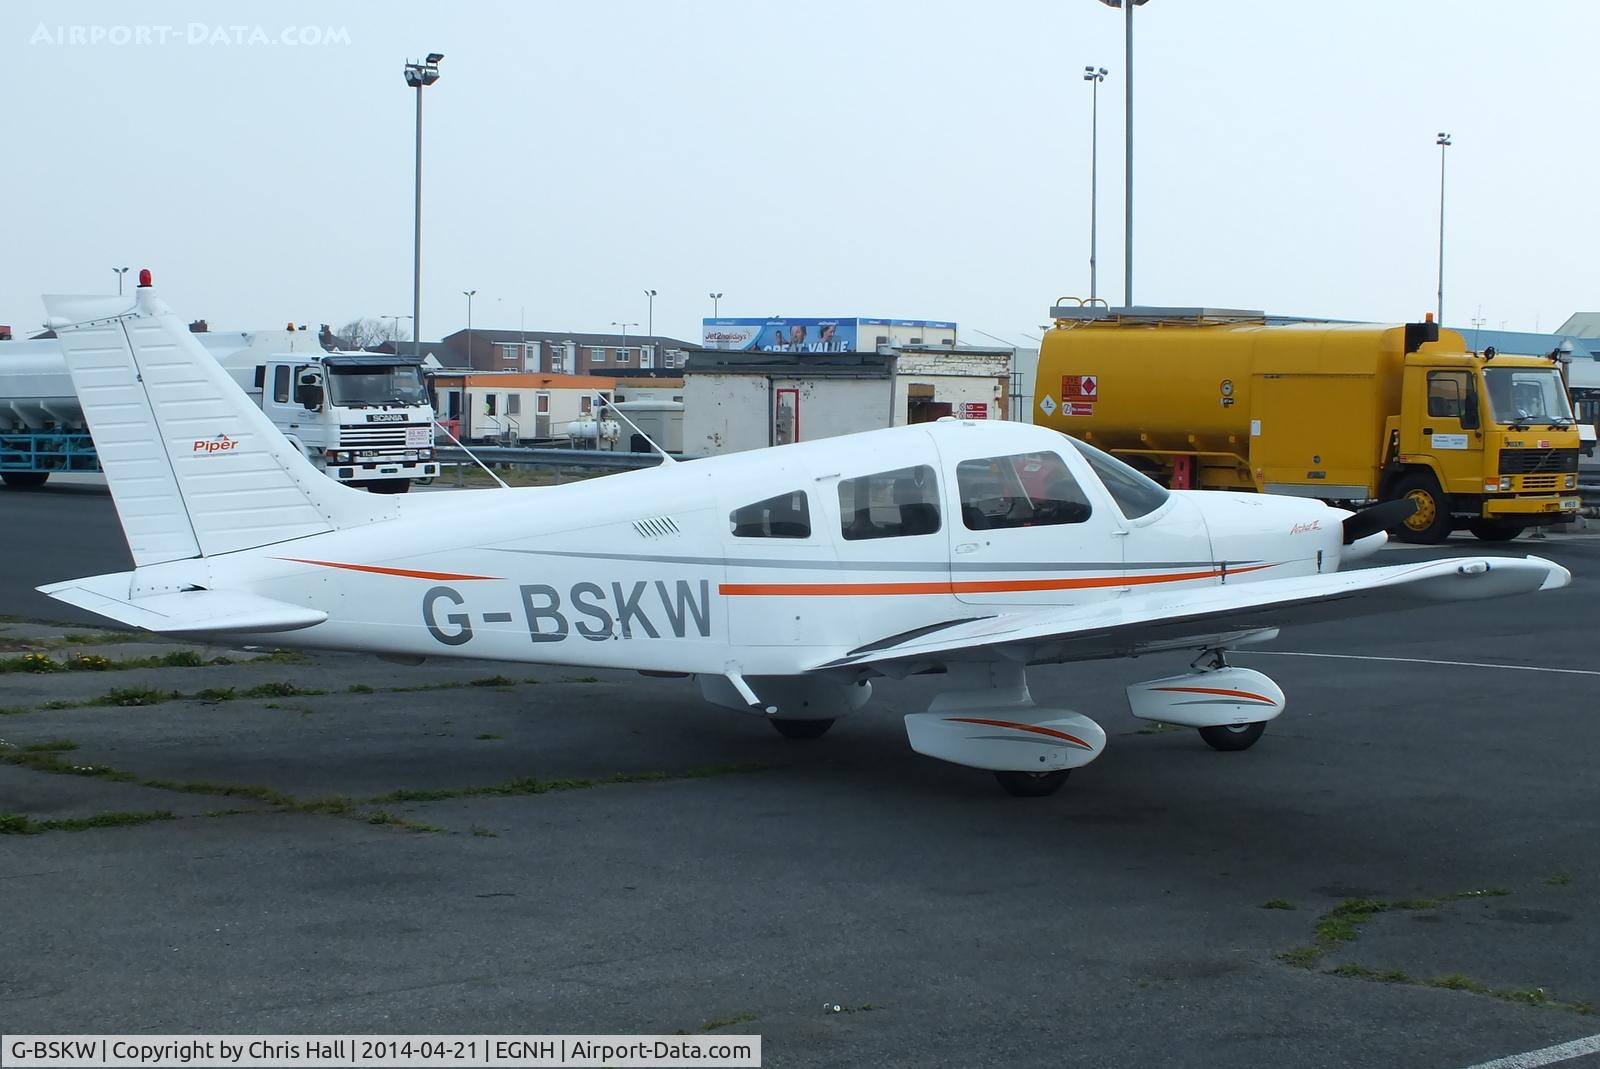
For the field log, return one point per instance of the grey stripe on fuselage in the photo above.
(875, 565)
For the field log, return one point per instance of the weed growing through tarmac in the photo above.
(493, 681)
(1341, 925)
(358, 688)
(1277, 903)
(13, 710)
(1560, 879)
(53, 746)
(16, 824)
(728, 1022)
(483, 833)
(530, 785)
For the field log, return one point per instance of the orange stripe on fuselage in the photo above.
(405, 573)
(1034, 728)
(974, 586)
(1218, 690)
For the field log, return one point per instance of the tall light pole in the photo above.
(1127, 167)
(715, 297)
(396, 330)
(650, 319)
(469, 294)
(419, 76)
(622, 357)
(1094, 76)
(1443, 141)
(120, 272)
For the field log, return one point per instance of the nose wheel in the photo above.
(1032, 784)
(1231, 737)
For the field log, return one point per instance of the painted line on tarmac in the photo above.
(1562, 1052)
(1418, 660)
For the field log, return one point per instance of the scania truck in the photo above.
(364, 418)
(1349, 413)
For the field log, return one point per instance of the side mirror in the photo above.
(309, 394)
(1469, 412)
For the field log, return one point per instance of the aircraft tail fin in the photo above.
(194, 467)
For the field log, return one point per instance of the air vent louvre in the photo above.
(656, 527)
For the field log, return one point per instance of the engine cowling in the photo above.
(1007, 739)
(1216, 698)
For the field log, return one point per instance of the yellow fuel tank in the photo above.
(1238, 396)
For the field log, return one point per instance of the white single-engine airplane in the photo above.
(783, 580)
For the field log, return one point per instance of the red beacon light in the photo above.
(144, 278)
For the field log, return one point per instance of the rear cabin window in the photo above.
(890, 504)
(1135, 494)
(1447, 393)
(784, 516)
(280, 384)
(1025, 490)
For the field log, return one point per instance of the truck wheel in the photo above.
(1032, 784)
(1431, 523)
(24, 480)
(389, 486)
(1494, 530)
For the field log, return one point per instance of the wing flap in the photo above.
(187, 612)
(1226, 615)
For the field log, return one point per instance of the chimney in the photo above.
(199, 326)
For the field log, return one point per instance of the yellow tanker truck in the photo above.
(1348, 413)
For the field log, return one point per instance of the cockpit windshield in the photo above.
(360, 385)
(1135, 493)
(1527, 395)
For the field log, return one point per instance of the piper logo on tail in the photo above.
(220, 444)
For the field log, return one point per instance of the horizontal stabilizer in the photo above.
(188, 612)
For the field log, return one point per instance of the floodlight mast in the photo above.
(419, 76)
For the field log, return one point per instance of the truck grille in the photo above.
(1538, 461)
(1542, 482)
(374, 436)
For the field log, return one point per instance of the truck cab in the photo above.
(365, 418)
(1491, 442)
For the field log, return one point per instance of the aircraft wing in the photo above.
(1213, 616)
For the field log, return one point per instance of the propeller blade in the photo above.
(1385, 517)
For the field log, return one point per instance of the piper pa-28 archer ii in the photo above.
(783, 580)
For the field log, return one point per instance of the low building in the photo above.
(738, 400)
(514, 408)
(567, 352)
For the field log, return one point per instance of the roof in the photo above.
(1525, 343)
(520, 380)
(800, 365)
(1581, 325)
(480, 334)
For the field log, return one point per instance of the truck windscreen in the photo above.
(353, 387)
(1527, 395)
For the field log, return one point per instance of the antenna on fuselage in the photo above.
(605, 402)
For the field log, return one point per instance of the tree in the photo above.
(369, 333)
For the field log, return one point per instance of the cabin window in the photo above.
(1025, 490)
(1135, 494)
(890, 504)
(280, 384)
(784, 516)
(1447, 393)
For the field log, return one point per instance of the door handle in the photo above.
(966, 547)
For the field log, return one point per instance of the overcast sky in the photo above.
(916, 160)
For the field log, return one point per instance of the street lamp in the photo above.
(395, 330)
(650, 319)
(1443, 141)
(1094, 76)
(1127, 137)
(419, 76)
(622, 357)
(715, 297)
(120, 272)
(468, 294)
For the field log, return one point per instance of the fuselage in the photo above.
(770, 562)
